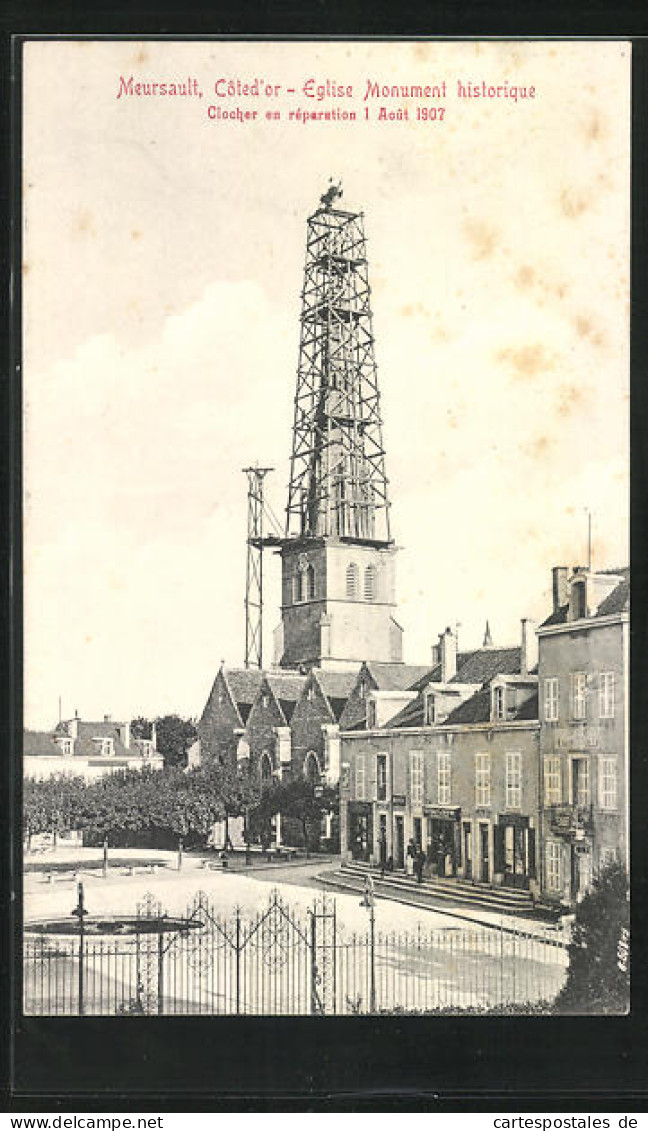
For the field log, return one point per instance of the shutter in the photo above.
(498, 849)
(531, 866)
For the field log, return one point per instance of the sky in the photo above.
(163, 261)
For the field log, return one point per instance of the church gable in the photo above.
(355, 710)
(219, 720)
(264, 718)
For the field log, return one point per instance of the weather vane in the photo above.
(331, 194)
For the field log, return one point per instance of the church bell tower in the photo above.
(338, 576)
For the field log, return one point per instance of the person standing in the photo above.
(382, 854)
(410, 858)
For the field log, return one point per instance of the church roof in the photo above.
(396, 677)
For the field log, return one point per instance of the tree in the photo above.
(300, 800)
(236, 789)
(174, 737)
(140, 727)
(598, 979)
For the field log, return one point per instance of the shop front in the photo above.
(443, 839)
(360, 830)
(514, 843)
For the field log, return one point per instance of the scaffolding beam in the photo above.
(254, 567)
(338, 483)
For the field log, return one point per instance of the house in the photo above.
(87, 749)
(583, 670)
(456, 770)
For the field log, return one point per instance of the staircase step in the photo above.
(509, 895)
(447, 891)
(430, 900)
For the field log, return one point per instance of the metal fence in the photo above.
(284, 962)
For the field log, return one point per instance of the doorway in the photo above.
(360, 833)
(399, 842)
(418, 832)
(484, 854)
(468, 856)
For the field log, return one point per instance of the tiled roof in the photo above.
(286, 685)
(244, 683)
(38, 742)
(486, 663)
(475, 667)
(411, 715)
(529, 709)
(473, 710)
(41, 743)
(478, 667)
(336, 685)
(396, 677)
(616, 601)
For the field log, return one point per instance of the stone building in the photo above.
(86, 749)
(583, 668)
(456, 770)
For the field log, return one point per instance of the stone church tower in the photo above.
(338, 555)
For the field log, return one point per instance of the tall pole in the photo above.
(80, 913)
(254, 567)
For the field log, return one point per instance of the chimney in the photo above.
(154, 735)
(73, 726)
(448, 645)
(125, 734)
(525, 658)
(436, 654)
(560, 587)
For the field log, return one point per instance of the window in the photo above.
(312, 771)
(482, 779)
(66, 746)
(552, 781)
(370, 583)
(579, 599)
(146, 747)
(551, 699)
(416, 777)
(553, 866)
(430, 711)
(352, 581)
(513, 780)
(443, 777)
(310, 583)
(579, 687)
(581, 782)
(606, 695)
(381, 777)
(499, 703)
(360, 777)
(296, 588)
(371, 713)
(107, 748)
(608, 783)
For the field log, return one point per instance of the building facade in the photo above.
(87, 749)
(456, 772)
(583, 668)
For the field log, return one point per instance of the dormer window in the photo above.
(106, 747)
(66, 746)
(430, 710)
(146, 747)
(499, 703)
(371, 713)
(579, 599)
